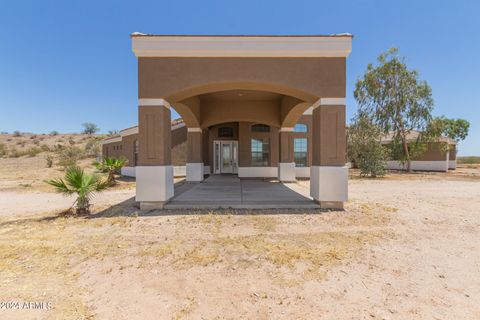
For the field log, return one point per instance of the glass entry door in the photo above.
(225, 156)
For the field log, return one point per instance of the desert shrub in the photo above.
(3, 150)
(49, 160)
(17, 133)
(13, 153)
(45, 148)
(93, 147)
(71, 141)
(21, 143)
(364, 147)
(33, 151)
(68, 156)
(54, 133)
(60, 140)
(33, 137)
(36, 142)
(468, 160)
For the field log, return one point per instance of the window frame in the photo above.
(302, 142)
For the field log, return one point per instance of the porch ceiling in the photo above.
(241, 95)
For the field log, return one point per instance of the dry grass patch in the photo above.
(39, 257)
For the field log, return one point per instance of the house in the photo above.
(439, 155)
(252, 106)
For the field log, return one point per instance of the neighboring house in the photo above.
(253, 106)
(435, 158)
(126, 145)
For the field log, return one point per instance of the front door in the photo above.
(225, 155)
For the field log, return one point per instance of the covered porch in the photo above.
(230, 191)
(241, 99)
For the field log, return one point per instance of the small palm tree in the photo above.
(111, 166)
(81, 183)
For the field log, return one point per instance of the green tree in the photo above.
(364, 147)
(90, 128)
(397, 101)
(111, 166)
(456, 129)
(81, 183)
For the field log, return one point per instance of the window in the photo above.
(260, 128)
(300, 127)
(300, 152)
(225, 132)
(135, 152)
(260, 152)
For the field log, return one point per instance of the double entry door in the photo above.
(225, 155)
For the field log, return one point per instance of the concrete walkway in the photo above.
(228, 191)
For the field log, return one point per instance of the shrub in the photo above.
(33, 136)
(49, 160)
(54, 133)
(36, 142)
(111, 166)
(3, 150)
(364, 147)
(468, 160)
(68, 156)
(71, 141)
(93, 147)
(17, 133)
(81, 183)
(45, 148)
(33, 151)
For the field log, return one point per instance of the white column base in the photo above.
(329, 184)
(286, 171)
(128, 171)
(195, 172)
(154, 183)
(452, 164)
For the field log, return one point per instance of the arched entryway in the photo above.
(267, 82)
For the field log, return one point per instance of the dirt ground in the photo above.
(406, 247)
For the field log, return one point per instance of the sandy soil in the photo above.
(406, 247)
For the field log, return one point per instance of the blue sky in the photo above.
(63, 63)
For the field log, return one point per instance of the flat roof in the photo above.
(140, 34)
(242, 46)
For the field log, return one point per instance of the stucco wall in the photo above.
(305, 78)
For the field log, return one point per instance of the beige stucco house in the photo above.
(439, 155)
(252, 106)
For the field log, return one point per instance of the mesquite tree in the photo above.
(396, 100)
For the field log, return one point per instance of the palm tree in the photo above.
(111, 166)
(81, 183)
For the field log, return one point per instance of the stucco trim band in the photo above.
(329, 183)
(128, 171)
(194, 129)
(286, 171)
(329, 102)
(154, 183)
(286, 129)
(195, 172)
(441, 165)
(257, 172)
(143, 102)
(205, 46)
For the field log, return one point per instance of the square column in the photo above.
(154, 171)
(286, 166)
(328, 173)
(195, 168)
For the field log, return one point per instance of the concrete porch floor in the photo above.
(229, 191)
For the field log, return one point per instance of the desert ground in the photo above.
(407, 246)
